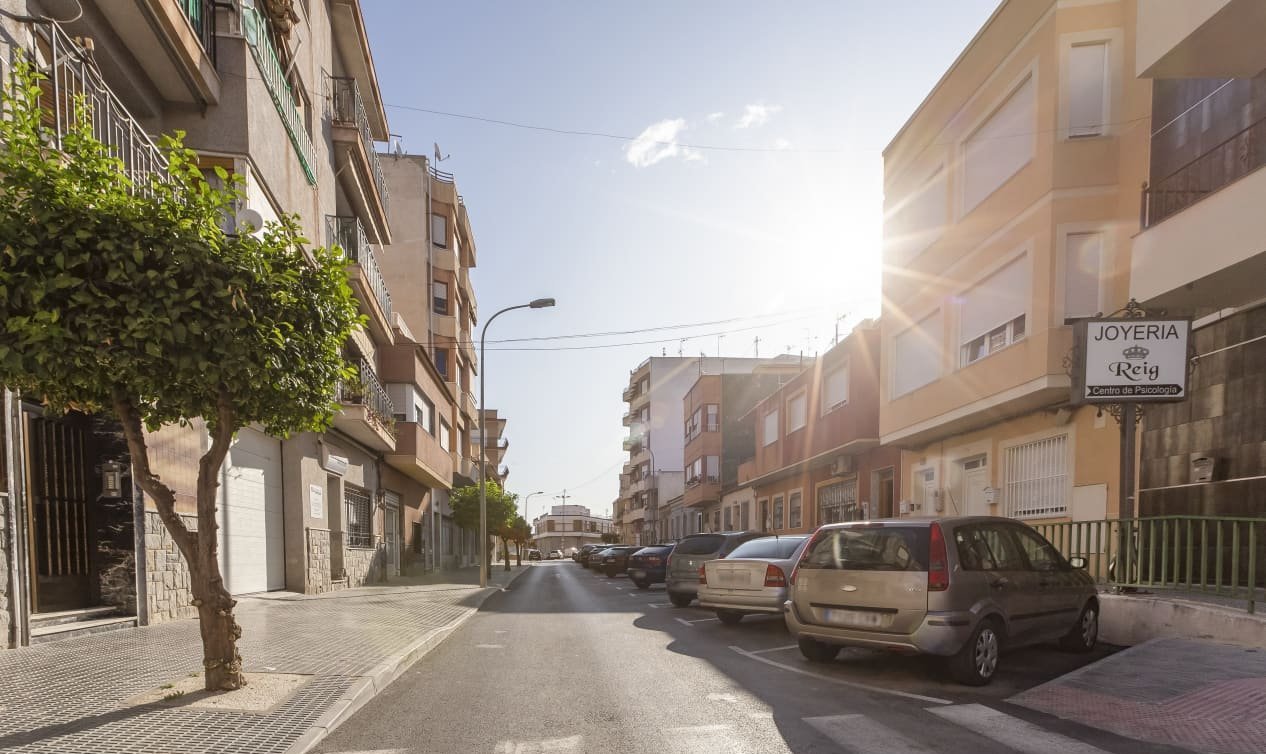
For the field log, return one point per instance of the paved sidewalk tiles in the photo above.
(1202, 695)
(72, 696)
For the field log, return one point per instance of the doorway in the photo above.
(884, 485)
(975, 480)
(391, 531)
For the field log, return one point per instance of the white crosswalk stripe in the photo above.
(542, 746)
(860, 734)
(1021, 735)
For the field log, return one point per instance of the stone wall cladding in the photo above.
(318, 579)
(166, 574)
(6, 614)
(363, 565)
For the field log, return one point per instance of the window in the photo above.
(992, 313)
(987, 548)
(864, 548)
(768, 547)
(793, 511)
(1083, 261)
(1000, 147)
(694, 471)
(714, 412)
(1087, 89)
(916, 222)
(1037, 478)
(1042, 556)
(549, 525)
(771, 428)
(439, 297)
(778, 519)
(439, 231)
(745, 515)
(713, 469)
(729, 519)
(360, 522)
(796, 412)
(441, 362)
(693, 424)
(835, 388)
(444, 435)
(426, 416)
(765, 523)
(838, 502)
(917, 355)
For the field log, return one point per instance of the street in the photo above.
(569, 661)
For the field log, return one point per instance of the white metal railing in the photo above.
(255, 29)
(349, 110)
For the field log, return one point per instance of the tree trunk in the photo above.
(505, 548)
(222, 665)
(518, 553)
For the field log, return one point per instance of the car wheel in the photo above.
(643, 584)
(1084, 635)
(816, 651)
(729, 617)
(612, 573)
(680, 600)
(977, 662)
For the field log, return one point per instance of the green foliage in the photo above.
(610, 537)
(502, 507)
(520, 531)
(110, 286)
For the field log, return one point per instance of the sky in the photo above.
(745, 201)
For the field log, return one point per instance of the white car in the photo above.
(554, 555)
(752, 579)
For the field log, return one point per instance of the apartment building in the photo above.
(494, 448)
(1201, 252)
(1011, 202)
(654, 471)
(817, 458)
(716, 441)
(568, 527)
(287, 96)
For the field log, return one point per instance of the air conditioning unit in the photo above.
(842, 465)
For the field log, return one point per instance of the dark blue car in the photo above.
(646, 566)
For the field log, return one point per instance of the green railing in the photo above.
(255, 29)
(1210, 556)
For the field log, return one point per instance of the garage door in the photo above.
(252, 544)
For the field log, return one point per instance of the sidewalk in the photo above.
(1201, 695)
(72, 696)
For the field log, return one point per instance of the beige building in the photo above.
(567, 528)
(1010, 207)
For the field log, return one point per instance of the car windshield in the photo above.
(701, 545)
(774, 548)
(869, 548)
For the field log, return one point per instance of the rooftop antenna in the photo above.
(396, 144)
(838, 320)
(756, 347)
(680, 347)
(439, 156)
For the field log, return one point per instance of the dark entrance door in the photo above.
(61, 525)
(884, 494)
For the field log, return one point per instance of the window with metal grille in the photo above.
(838, 502)
(1037, 478)
(360, 522)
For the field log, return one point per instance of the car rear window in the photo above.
(870, 548)
(767, 547)
(699, 545)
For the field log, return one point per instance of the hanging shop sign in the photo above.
(1131, 360)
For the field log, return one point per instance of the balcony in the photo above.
(1201, 246)
(69, 77)
(367, 415)
(356, 160)
(444, 324)
(633, 444)
(347, 23)
(172, 41)
(627, 419)
(629, 393)
(363, 272)
(419, 456)
(273, 73)
(1180, 39)
(701, 491)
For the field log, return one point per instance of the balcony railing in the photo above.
(70, 76)
(255, 29)
(369, 392)
(349, 234)
(349, 110)
(201, 15)
(1217, 168)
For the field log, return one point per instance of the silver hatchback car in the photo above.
(962, 588)
(752, 579)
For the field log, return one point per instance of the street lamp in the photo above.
(539, 303)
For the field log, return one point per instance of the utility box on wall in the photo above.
(1203, 468)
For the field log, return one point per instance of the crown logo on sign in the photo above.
(1135, 353)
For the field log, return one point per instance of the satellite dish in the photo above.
(249, 220)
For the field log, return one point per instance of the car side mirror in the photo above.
(1077, 561)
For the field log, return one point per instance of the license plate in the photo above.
(733, 577)
(638, 574)
(859, 618)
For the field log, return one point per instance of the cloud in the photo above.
(658, 142)
(781, 143)
(714, 117)
(756, 115)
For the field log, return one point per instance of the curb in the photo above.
(374, 682)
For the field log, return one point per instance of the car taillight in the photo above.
(774, 576)
(654, 560)
(703, 576)
(938, 563)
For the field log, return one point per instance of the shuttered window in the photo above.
(1087, 89)
(1037, 478)
(1000, 147)
(835, 388)
(992, 313)
(917, 355)
(1082, 265)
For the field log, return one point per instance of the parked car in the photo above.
(963, 588)
(752, 579)
(691, 553)
(554, 555)
(582, 555)
(594, 561)
(614, 560)
(533, 554)
(649, 565)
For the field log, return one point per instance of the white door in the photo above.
(975, 482)
(252, 543)
(391, 531)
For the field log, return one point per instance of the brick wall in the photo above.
(363, 565)
(318, 543)
(166, 575)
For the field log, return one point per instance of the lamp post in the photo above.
(525, 504)
(539, 303)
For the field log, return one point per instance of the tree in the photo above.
(502, 507)
(520, 535)
(125, 295)
(610, 537)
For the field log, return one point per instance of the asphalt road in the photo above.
(569, 661)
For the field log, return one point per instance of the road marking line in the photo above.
(1018, 734)
(571, 743)
(772, 649)
(683, 622)
(861, 734)
(840, 681)
(490, 646)
(660, 604)
(702, 620)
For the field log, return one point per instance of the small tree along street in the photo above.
(502, 509)
(125, 295)
(520, 535)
